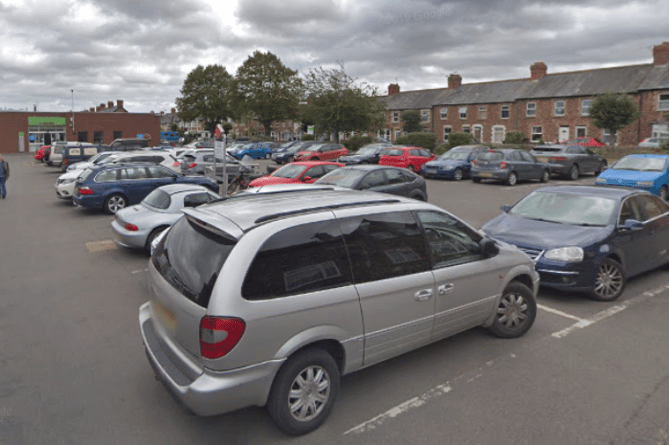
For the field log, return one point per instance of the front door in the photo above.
(563, 134)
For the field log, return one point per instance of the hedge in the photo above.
(422, 139)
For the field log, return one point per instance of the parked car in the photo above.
(587, 238)
(509, 165)
(197, 162)
(259, 150)
(39, 154)
(150, 157)
(411, 158)
(645, 171)
(284, 156)
(653, 142)
(296, 172)
(128, 144)
(57, 149)
(79, 153)
(569, 160)
(65, 182)
(368, 154)
(586, 142)
(138, 225)
(104, 157)
(112, 187)
(456, 163)
(321, 152)
(267, 299)
(377, 178)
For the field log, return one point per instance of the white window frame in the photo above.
(463, 112)
(531, 111)
(425, 115)
(557, 108)
(398, 133)
(584, 130)
(482, 112)
(534, 133)
(492, 133)
(585, 107)
(467, 129)
(503, 108)
(481, 132)
(663, 101)
(443, 113)
(396, 117)
(446, 133)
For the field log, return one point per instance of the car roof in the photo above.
(648, 155)
(369, 167)
(172, 189)
(596, 190)
(252, 210)
(467, 147)
(314, 163)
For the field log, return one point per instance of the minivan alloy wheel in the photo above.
(309, 393)
(515, 312)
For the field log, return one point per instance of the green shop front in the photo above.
(44, 131)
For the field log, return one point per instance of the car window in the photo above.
(157, 172)
(491, 156)
(208, 158)
(314, 172)
(133, 173)
(157, 199)
(649, 207)
(526, 156)
(196, 199)
(301, 259)
(414, 152)
(425, 153)
(394, 176)
(629, 210)
(384, 246)
(408, 176)
(155, 159)
(329, 168)
(107, 176)
(451, 242)
(372, 179)
(514, 156)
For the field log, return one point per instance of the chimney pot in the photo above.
(454, 81)
(393, 89)
(119, 103)
(102, 106)
(538, 70)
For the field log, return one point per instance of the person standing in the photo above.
(4, 176)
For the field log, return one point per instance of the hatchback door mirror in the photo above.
(489, 247)
(505, 208)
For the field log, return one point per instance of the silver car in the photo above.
(268, 298)
(137, 226)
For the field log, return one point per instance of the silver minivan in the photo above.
(268, 298)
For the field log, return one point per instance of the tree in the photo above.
(612, 111)
(336, 103)
(411, 121)
(206, 95)
(267, 90)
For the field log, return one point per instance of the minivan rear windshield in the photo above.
(190, 258)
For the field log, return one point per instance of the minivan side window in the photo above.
(301, 259)
(384, 246)
(451, 242)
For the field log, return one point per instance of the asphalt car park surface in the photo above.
(73, 369)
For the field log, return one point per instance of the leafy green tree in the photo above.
(613, 111)
(337, 103)
(206, 95)
(411, 121)
(267, 89)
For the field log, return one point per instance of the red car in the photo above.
(586, 142)
(39, 154)
(321, 152)
(411, 158)
(296, 173)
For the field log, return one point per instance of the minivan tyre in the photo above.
(319, 369)
(114, 203)
(154, 233)
(515, 312)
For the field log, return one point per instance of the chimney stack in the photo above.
(538, 70)
(393, 89)
(173, 110)
(661, 54)
(454, 81)
(119, 103)
(92, 109)
(102, 107)
(110, 104)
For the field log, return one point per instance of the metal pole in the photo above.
(72, 91)
(224, 187)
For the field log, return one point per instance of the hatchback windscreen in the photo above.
(455, 155)
(342, 177)
(157, 199)
(566, 208)
(641, 164)
(190, 258)
(290, 171)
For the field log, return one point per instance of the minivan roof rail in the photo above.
(279, 215)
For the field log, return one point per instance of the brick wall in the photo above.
(492, 117)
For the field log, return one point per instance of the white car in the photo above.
(104, 157)
(65, 183)
(153, 157)
(653, 142)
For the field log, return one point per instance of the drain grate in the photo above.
(101, 246)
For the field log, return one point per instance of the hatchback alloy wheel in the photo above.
(457, 174)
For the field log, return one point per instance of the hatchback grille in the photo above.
(534, 254)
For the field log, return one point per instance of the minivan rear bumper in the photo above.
(211, 393)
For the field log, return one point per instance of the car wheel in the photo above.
(476, 180)
(457, 174)
(610, 281)
(304, 392)
(545, 176)
(114, 203)
(411, 168)
(154, 233)
(267, 155)
(512, 179)
(664, 193)
(515, 312)
(573, 173)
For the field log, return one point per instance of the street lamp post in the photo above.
(72, 91)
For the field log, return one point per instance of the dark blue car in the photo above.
(259, 150)
(456, 163)
(587, 238)
(287, 154)
(112, 187)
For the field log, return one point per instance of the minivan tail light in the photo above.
(85, 191)
(219, 335)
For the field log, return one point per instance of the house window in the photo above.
(386, 134)
(82, 136)
(663, 102)
(478, 133)
(447, 131)
(608, 138)
(585, 107)
(97, 137)
(398, 133)
(118, 135)
(396, 116)
(504, 114)
(482, 112)
(425, 115)
(537, 134)
(498, 134)
(443, 113)
(531, 109)
(463, 112)
(466, 129)
(581, 132)
(558, 108)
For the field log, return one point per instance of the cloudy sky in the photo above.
(141, 51)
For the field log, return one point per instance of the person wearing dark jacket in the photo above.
(4, 176)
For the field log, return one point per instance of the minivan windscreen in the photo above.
(190, 258)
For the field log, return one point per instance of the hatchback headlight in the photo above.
(645, 183)
(570, 254)
(600, 181)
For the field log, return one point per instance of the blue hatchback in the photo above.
(645, 171)
(259, 150)
(587, 238)
(112, 187)
(456, 163)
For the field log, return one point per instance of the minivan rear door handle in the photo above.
(423, 295)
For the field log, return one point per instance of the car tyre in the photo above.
(609, 282)
(664, 193)
(476, 180)
(304, 392)
(154, 233)
(512, 179)
(573, 172)
(515, 312)
(267, 155)
(457, 174)
(545, 176)
(114, 203)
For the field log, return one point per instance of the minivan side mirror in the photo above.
(505, 208)
(489, 247)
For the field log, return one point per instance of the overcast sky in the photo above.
(141, 51)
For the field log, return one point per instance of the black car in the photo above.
(376, 178)
(369, 154)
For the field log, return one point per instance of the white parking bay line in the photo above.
(139, 271)
(560, 313)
